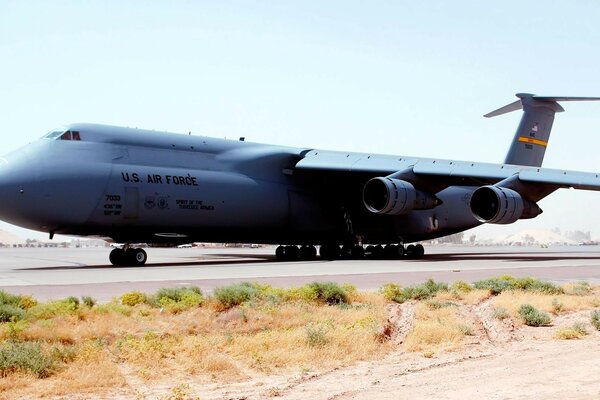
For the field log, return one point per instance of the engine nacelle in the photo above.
(498, 205)
(394, 197)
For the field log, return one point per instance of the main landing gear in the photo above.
(350, 252)
(128, 257)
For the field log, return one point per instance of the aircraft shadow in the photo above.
(196, 262)
(510, 257)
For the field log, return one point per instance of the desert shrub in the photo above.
(579, 289)
(25, 357)
(494, 285)
(576, 331)
(88, 301)
(189, 296)
(423, 291)
(328, 292)
(114, 306)
(461, 286)
(234, 295)
(14, 328)
(53, 308)
(133, 298)
(533, 317)
(436, 305)
(7, 298)
(9, 312)
(500, 313)
(466, 330)
(26, 302)
(507, 282)
(557, 306)
(595, 319)
(74, 300)
(391, 291)
(316, 336)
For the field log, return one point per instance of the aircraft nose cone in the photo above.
(17, 178)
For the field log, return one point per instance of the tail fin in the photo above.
(531, 139)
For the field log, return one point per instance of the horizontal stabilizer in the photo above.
(518, 105)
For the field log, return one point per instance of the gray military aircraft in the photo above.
(139, 186)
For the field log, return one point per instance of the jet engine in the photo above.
(498, 205)
(394, 197)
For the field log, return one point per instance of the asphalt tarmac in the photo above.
(57, 273)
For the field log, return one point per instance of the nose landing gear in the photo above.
(128, 257)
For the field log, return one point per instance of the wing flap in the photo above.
(564, 179)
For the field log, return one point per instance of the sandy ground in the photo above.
(500, 361)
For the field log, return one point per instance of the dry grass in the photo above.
(270, 334)
(473, 297)
(435, 330)
(512, 300)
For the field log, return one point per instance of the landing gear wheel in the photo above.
(117, 257)
(346, 252)
(280, 253)
(329, 252)
(418, 251)
(370, 251)
(357, 252)
(138, 256)
(291, 253)
(308, 253)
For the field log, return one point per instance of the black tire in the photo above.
(418, 251)
(280, 253)
(346, 252)
(138, 256)
(329, 252)
(308, 253)
(117, 257)
(291, 253)
(357, 252)
(378, 252)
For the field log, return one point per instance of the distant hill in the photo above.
(534, 237)
(7, 238)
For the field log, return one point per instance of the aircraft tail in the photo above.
(531, 138)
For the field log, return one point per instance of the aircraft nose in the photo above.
(17, 183)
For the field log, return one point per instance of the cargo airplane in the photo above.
(139, 186)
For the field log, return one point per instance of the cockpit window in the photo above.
(63, 135)
(53, 135)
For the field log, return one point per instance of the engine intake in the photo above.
(498, 205)
(394, 197)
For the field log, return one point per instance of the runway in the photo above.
(57, 273)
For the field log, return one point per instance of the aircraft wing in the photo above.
(435, 175)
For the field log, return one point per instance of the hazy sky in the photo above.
(398, 77)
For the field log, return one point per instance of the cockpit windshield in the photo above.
(63, 135)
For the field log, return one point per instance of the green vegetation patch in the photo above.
(30, 357)
(507, 282)
(595, 319)
(533, 317)
(424, 291)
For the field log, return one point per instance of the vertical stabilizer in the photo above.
(531, 138)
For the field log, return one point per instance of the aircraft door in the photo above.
(132, 201)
